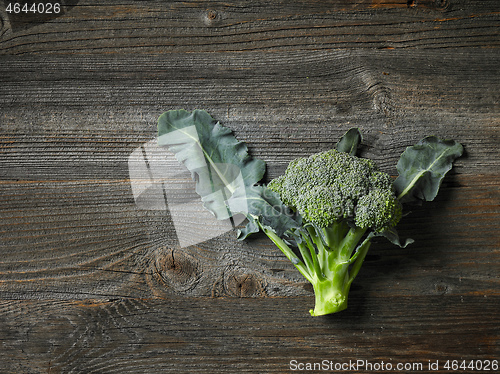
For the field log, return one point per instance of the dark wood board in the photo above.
(264, 335)
(92, 283)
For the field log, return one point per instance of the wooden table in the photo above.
(91, 283)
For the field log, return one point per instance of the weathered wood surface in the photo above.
(241, 335)
(90, 283)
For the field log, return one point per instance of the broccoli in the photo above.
(340, 197)
(323, 211)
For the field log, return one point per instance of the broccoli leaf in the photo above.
(350, 141)
(261, 204)
(422, 168)
(218, 163)
(392, 235)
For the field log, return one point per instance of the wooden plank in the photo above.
(204, 335)
(395, 97)
(111, 249)
(157, 27)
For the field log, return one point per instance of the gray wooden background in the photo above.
(91, 283)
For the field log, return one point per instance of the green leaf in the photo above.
(219, 164)
(252, 227)
(350, 141)
(261, 204)
(423, 166)
(392, 235)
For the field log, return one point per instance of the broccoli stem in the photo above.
(288, 252)
(308, 252)
(358, 258)
(331, 294)
(343, 261)
(331, 259)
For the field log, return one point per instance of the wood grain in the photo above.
(399, 94)
(227, 335)
(162, 27)
(92, 283)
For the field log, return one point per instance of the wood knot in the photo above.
(442, 5)
(441, 288)
(243, 285)
(211, 17)
(178, 270)
(238, 283)
(212, 14)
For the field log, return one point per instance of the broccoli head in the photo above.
(331, 186)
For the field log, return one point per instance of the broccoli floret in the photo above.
(378, 210)
(340, 197)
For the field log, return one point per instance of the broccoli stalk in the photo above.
(333, 275)
(330, 262)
